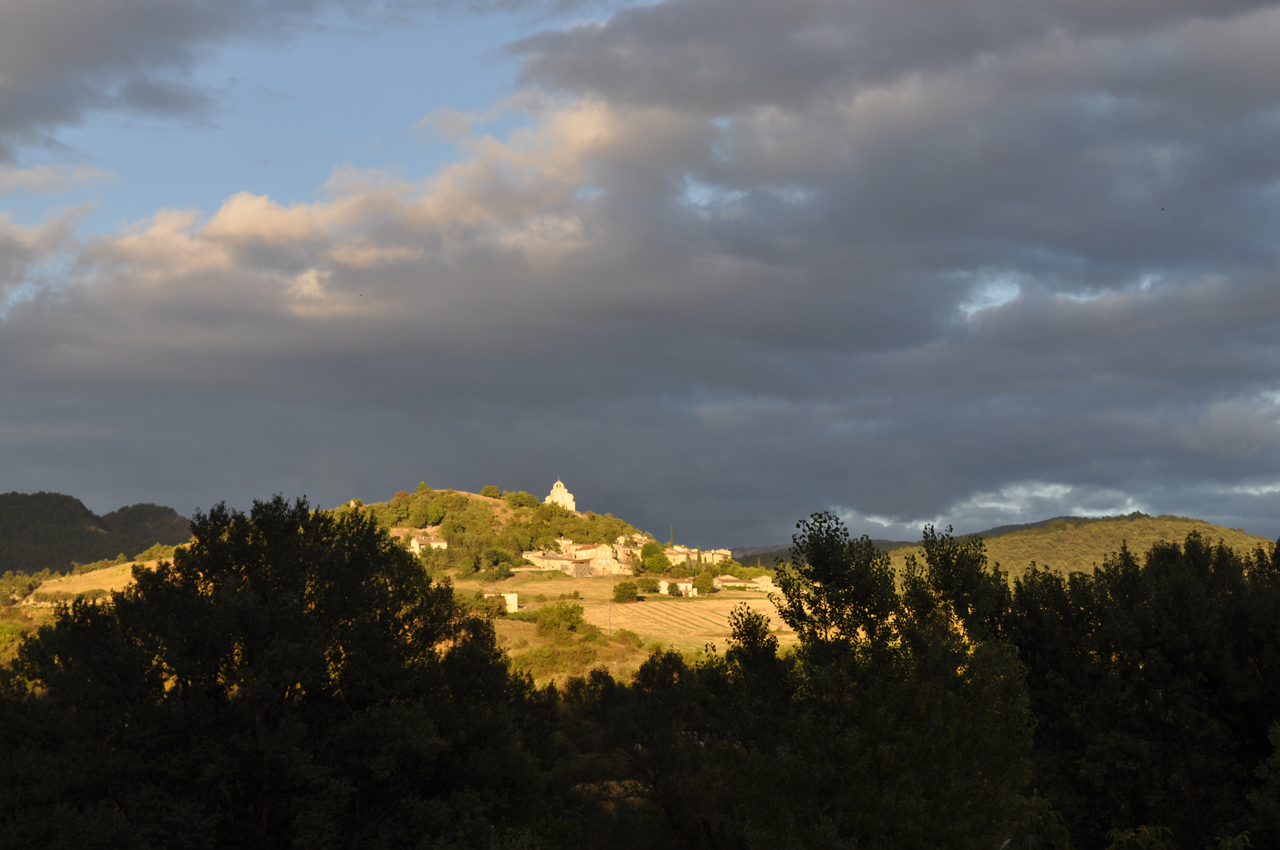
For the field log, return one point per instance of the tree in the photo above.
(861, 738)
(838, 593)
(1153, 682)
(625, 591)
(704, 583)
(490, 491)
(654, 559)
(292, 678)
(1036, 825)
(521, 499)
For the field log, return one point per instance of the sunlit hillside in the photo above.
(1072, 544)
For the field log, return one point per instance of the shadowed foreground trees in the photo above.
(1154, 686)
(294, 679)
(291, 678)
(889, 728)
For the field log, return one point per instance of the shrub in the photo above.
(626, 637)
(546, 661)
(521, 499)
(94, 566)
(560, 617)
(625, 591)
(158, 552)
(490, 491)
(496, 573)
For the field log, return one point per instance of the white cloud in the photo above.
(46, 179)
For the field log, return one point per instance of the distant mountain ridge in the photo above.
(52, 531)
(748, 556)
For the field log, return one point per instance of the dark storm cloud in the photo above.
(722, 55)
(966, 262)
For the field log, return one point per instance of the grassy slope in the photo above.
(110, 578)
(1078, 545)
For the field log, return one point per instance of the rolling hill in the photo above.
(52, 531)
(1063, 543)
(1071, 544)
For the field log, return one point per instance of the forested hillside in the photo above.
(40, 531)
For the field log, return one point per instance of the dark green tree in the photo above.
(653, 559)
(625, 591)
(838, 594)
(1154, 682)
(291, 679)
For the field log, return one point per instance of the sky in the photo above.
(717, 264)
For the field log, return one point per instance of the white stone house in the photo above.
(764, 583)
(418, 545)
(681, 587)
(684, 555)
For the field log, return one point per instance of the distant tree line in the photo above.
(295, 678)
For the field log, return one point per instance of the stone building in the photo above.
(560, 496)
(580, 560)
(418, 545)
(683, 555)
(682, 587)
(420, 539)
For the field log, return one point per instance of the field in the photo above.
(687, 625)
(1071, 546)
(109, 579)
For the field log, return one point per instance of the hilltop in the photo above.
(51, 531)
(490, 531)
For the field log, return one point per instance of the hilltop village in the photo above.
(621, 556)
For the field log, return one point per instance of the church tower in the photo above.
(560, 496)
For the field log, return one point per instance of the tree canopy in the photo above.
(292, 677)
(296, 678)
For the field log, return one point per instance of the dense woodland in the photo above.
(296, 679)
(50, 531)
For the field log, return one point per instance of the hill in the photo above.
(51, 531)
(1071, 544)
(488, 533)
(1066, 543)
(764, 556)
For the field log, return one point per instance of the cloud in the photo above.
(46, 179)
(62, 59)
(968, 263)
